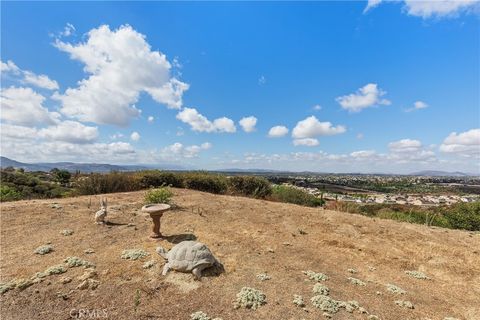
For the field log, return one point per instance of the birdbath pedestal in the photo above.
(156, 211)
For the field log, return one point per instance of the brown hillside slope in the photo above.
(250, 237)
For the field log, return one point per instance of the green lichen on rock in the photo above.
(417, 274)
(44, 249)
(352, 270)
(199, 315)
(5, 286)
(373, 317)
(394, 289)
(263, 277)
(67, 232)
(149, 264)
(250, 298)
(57, 269)
(298, 301)
(404, 304)
(331, 306)
(73, 262)
(39, 276)
(325, 303)
(23, 284)
(316, 276)
(450, 318)
(134, 254)
(319, 288)
(349, 306)
(356, 281)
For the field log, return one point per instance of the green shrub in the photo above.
(463, 216)
(160, 195)
(9, 194)
(207, 182)
(156, 178)
(296, 196)
(97, 183)
(61, 176)
(26, 185)
(457, 216)
(250, 186)
(411, 216)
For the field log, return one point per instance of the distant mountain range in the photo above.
(239, 170)
(82, 167)
(433, 173)
(426, 173)
(104, 167)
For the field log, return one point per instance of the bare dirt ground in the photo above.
(250, 237)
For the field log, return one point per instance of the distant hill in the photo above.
(433, 173)
(104, 167)
(82, 167)
(238, 170)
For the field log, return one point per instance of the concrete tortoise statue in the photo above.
(189, 256)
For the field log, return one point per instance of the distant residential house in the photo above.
(417, 202)
(380, 200)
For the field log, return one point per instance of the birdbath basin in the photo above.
(156, 211)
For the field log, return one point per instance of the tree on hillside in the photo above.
(61, 176)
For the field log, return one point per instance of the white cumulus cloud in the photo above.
(135, 136)
(41, 81)
(409, 150)
(151, 119)
(248, 124)
(178, 150)
(116, 136)
(417, 105)
(371, 4)
(9, 66)
(309, 142)
(464, 144)
(120, 66)
(38, 149)
(13, 132)
(405, 145)
(311, 128)
(438, 8)
(200, 123)
(431, 8)
(28, 77)
(25, 107)
(362, 154)
(70, 131)
(368, 96)
(68, 30)
(278, 131)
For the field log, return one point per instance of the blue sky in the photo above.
(350, 86)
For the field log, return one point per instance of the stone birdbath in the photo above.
(156, 210)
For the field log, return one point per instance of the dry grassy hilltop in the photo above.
(249, 237)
